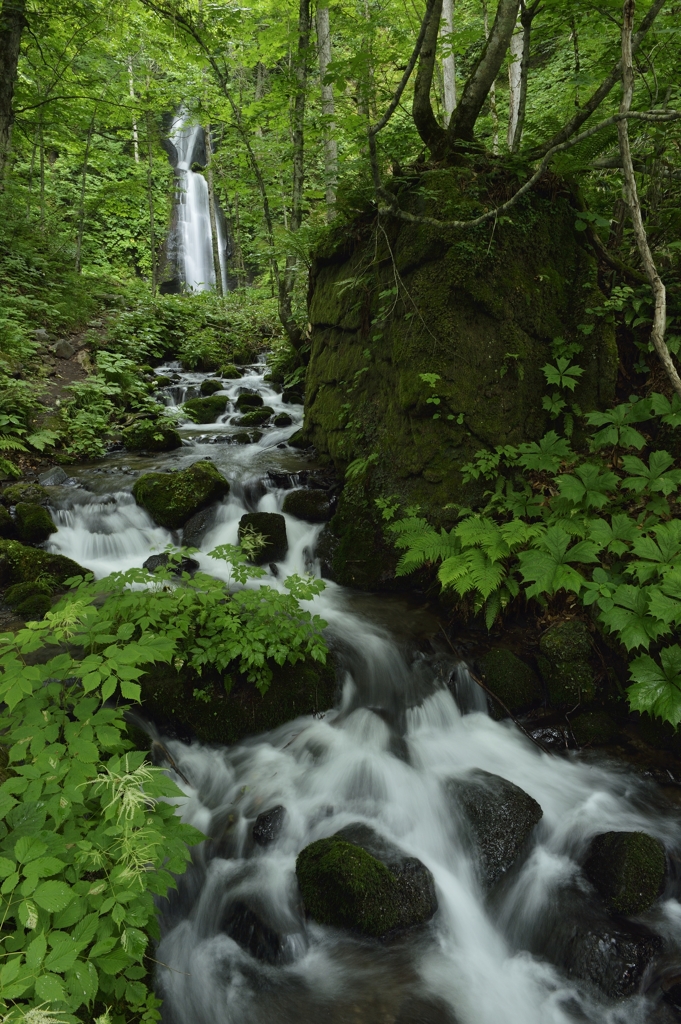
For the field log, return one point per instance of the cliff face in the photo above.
(391, 300)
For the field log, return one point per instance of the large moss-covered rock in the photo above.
(34, 523)
(33, 494)
(489, 304)
(21, 564)
(230, 372)
(510, 679)
(566, 641)
(249, 400)
(563, 662)
(8, 528)
(311, 505)
(501, 817)
(151, 437)
(255, 417)
(172, 498)
(352, 548)
(209, 386)
(205, 410)
(355, 879)
(593, 728)
(272, 527)
(628, 869)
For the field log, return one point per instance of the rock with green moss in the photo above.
(283, 420)
(33, 494)
(563, 663)
(34, 523)
(173, 498)
(300, 440)
(210, 386)
(248, 400)
(511, 680)
(19, 592)
(230, 372)
(566, 641)
(627, 869)
(593, 729)
(151, 437)
(272, 527)
(205, 410)
(8, 528)
(21, 564)
(161, 381)
(256, 417)
(242, 437)
(33, 608)
(311, 505)
(353, 548)
(357, 880)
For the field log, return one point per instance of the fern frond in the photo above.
(11, 444)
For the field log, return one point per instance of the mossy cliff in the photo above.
(390, 301)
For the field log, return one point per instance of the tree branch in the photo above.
(431, 132)
(392, 106)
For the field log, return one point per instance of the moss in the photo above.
(8, 528)
(20, 564)
(34, 523)
(271, 526)
(247, 401)
(161, 382)
(300, 440)
(311, 505)
(33, 607)
(241, 438)
(256, 417)
(357, 553)
(209, 387)
(172, 498)
(151, 437)
(628, 869)
(205, 410)
(283, 420)
(230, 372)
(593, 728)
(567, 682)
(511, 679)
(32, 494)
(19, 592)
(566, 641)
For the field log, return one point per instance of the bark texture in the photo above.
(12, 22)
(328, 110)
(215, 243)
(448, 61)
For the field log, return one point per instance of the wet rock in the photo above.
(41, 336)
(210, 386)
(53, 477)
(248, 400)
(502, 817)
(246, 926)
(21, 564)
(8, 528)
(33, 523)
(356, 879)
(292, 397)
(563, 663)
(205, 410)
(615, 959)
(161, 381)
(173, 498)
(151, 437)
(230, 372)
(311, 505)
(271, 526)
(185, 564)
(34, 494)
(256, 417)
(424, 1010)
(511, 679)
(566, 641)
(195, 528)
(268, 825)
(242, 437)
(627, 869)
(299, 440)
(64, 349)
(30, 601)
(593, 729)
(283, 420)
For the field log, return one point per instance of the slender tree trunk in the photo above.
(328, 110)
(212, 210)
(41, 144)
(12, 22)
(526, 18)
(631, 193)
(30, 177)
(135, 133)
(578, 63)
(448, 60)
(81, 218)
(238, 251)
(514, 75)
(492, 91)
(150, 195)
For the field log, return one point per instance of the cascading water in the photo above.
(406, 724)
(193, 232)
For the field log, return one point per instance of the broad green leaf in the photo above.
(657, 687)
(53, 896)
(50, 989)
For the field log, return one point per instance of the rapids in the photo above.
(380, 756)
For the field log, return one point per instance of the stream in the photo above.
(381, 757)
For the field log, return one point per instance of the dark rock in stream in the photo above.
(510, 679)
(205, 410)
(33, 522)
(249, 400)
(627, 869)
(248, 928)
(271, 526)
(268, 825)
(151, 437)
(502, 817)
(155, 562)
(420, 1010)
(21, 564)
(195, 528)
(614, 958)
(210, 386)
(173, 498)
(358, 880)
(311, 505)
(53, 477)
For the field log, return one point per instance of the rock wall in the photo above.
(391, 300)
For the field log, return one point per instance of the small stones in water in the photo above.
(268, 825)
(627, 869)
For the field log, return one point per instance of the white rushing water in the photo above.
(383, 757)
(194, 236)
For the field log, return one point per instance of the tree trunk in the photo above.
(12, 21)
(526, 17)
(41, 143)
(215, 242)
(448, 61)
(492, 91)
(514, 76)
(150, 196)
(328, 110)
(135, 135)
(81, 218)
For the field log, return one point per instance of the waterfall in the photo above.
(194, 236)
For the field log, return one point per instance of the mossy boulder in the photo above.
(242, 437)
(210, 386)
(173, 498)
(230, 372)
(255, 417)
(205, 410)
(353, 549)
(8, 528)
(510, 679)
(593, 729)
(563, 663)
(566, 641)
(34, 523)
(283, 420)
(19, 592)
(151, 437)
(32, 494)
(248, 400)
(161, 381)
(33, 608)
(21, 564)
(195, 528)
(488, 312)
(501, 817)
(271, 526)
(356, 880)
(311, 505)
(627, 869)
(300, 440)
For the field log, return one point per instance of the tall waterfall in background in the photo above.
(193, 233)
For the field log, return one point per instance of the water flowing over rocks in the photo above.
(272, 527)
(173, 498)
